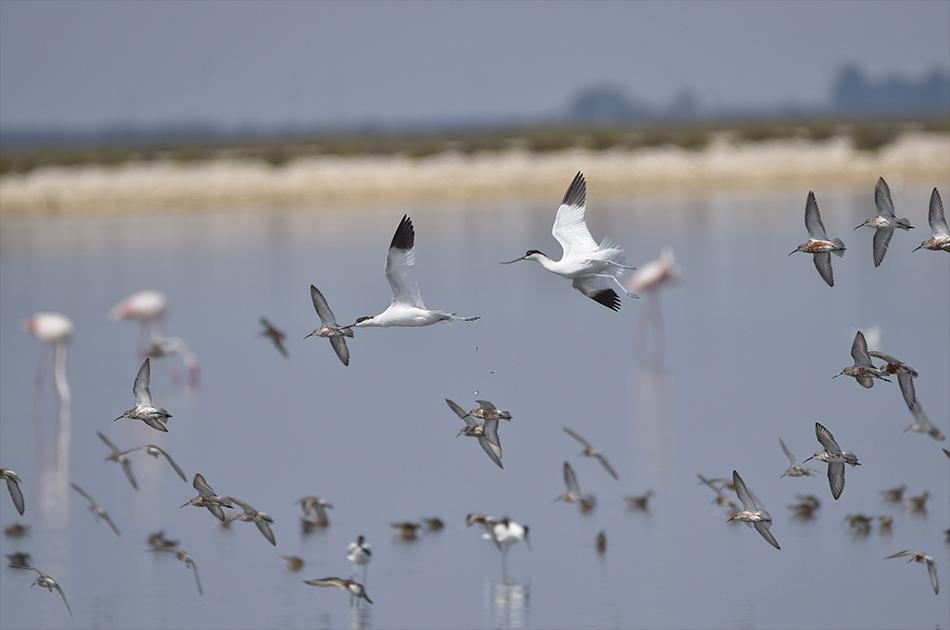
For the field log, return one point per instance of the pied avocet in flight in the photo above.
(407, 307)
(583, 261)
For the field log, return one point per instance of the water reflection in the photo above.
(508, 602)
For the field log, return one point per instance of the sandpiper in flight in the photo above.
(590, 451)
(940, 241)
(276, 336)
(794, 469)
(752, 512)
(317, 507)
(407, 307)
(355, 589)
(922, 558)
(329, 329)
(182, 556)
(13, 485)
(262, 520)
(583, 261)
(832, 455)
(49, 584)
(884, 222)
(573, 494)
(487, 432)
(207, 498)
(818, 242)
(98, 511)
(117, 456)
(863, 371)
(144, 409)
(156, 451)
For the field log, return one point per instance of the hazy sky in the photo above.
(85, 64)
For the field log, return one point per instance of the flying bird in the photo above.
(118, 457)
(794, 469)
(262, 520)
(486, 433)
(317, 507)
(276, 336)
(721, 498)
(832, 455)
(818, 243)
(49, 584)
(407, 307)
(752, 511)
(573, 494)
(922, 558)
(590, 451)
(144, 409)
(158, 540)
(329, 329)
(184, 557)
(19, 560)
(294, 563)
(13, 486)
(583, 261)
(863, 371)
(208, 499)
(641, 502)
(355, 589)
(98, 511)
(156, 451)
(940, 241)
(884, 222)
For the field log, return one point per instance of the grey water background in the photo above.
(751, 339)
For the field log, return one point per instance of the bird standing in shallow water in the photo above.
(818, 243)
(19, 560)
(940, 240)
(406, 530)
(49, 584)
(641, 502)
(13, 486)
(922, 558)
(329, 329)
(752, 512)
(884, 222)
(407, 307)
(144, 409)
(583, 261)
(832, 455)
(276, 336)
(863, 371)
(894, 495)
(294, 563)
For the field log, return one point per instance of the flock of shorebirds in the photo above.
(595, 270)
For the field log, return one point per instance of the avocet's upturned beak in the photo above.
(508, 262)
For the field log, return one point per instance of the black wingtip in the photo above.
(405, 236)
(576, 194)
(608, 298)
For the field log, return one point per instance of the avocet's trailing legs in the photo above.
(583, 261)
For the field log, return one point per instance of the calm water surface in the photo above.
(749, 342)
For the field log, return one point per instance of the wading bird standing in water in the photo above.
(884, 222)
(649, 280)
(407, 307)
(818, 242)
(583, 261)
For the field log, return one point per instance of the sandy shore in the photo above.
(326, 181)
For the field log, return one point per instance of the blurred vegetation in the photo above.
(866, 135)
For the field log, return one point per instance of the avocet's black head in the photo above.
(360, 540)
(531, 254)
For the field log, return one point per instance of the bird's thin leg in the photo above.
(617, 282)
(38, 401)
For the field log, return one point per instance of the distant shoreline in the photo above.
(323, 180)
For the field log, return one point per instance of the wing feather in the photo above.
(826, 439)
(321, 306)
(399, 263)
(882, 199)
(936, 218)
(816, 229)
(882, 239)
(570, 226)
(140, 387)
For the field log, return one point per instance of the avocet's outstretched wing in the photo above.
(570, 226)
(399, 264)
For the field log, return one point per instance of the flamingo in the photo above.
(148, 308)
(56, 330)
(649, 280)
